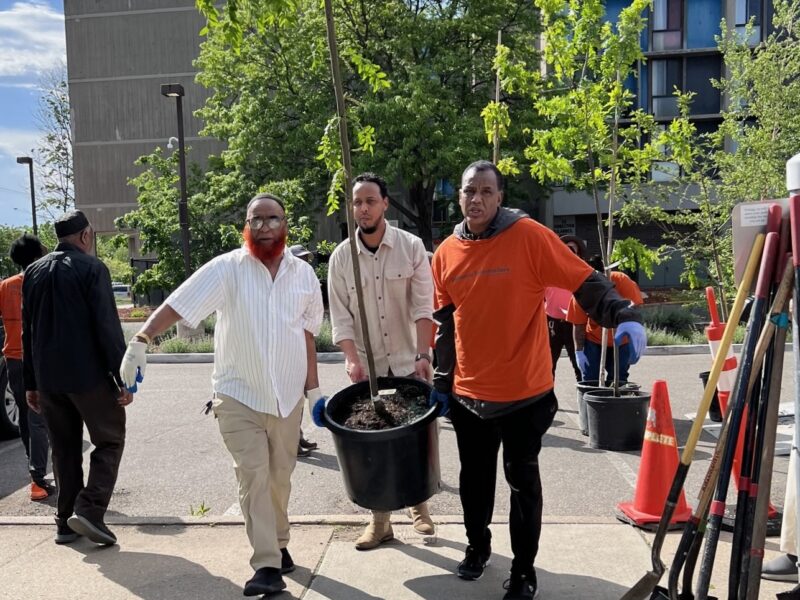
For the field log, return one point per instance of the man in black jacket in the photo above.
(72, 347)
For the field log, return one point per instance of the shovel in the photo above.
(643, 589)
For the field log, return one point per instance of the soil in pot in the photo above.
(402, 407)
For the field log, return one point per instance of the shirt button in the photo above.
(382, 317)
(385, 334)
(379, 297)
(377, 277)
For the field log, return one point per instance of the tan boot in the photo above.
(377, 532)
(423, 524)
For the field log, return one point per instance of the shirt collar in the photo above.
(389, 238)
(66, 247)
(290, 259)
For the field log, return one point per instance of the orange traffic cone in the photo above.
(657, 467)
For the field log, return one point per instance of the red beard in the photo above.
(260, 251)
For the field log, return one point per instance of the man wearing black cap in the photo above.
(72, 347)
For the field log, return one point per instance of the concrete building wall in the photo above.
(119, 52)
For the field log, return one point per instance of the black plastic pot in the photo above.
(616, 423)
(714, 410)
(587, 386)
(391, 468)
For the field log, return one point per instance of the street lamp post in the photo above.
(175, 90)
(27, 160)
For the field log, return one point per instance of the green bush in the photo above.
(671, 318)
(176, 345)
(324, 341)
(657, 336)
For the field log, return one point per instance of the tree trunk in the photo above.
(420, 197)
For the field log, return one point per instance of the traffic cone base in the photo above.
(657, 467)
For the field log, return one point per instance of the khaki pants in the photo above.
(264, 451)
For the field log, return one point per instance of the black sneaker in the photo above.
(306, 445)
(474, 563)
(65, 535)
(267, 580)
(287, 564)
(47, 486)
(94, 530)
(521, 587)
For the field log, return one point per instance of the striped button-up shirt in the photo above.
(398, 291)
(259, 338)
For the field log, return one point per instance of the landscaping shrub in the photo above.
(671, 318)
(176, 345)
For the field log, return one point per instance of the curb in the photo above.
(338, 357)
(208, 357)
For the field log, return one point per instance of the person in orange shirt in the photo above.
(587, 333)
(32, 429)
(556, 304)
(494, 359)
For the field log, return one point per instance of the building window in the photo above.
(664, 169)
(667, 29)
(666, 76)
(700, 70)
(746, 10)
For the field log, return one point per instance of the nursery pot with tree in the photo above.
(386, 435)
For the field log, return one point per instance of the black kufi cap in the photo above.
(71, 222)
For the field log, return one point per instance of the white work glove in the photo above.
(316, 406)
(133, 365)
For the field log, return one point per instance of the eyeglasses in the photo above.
(257, 223)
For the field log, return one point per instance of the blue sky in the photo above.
(31, 44)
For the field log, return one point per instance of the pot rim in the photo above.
(380, 434)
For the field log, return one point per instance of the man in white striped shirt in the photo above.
(398, 297)
(268, 305)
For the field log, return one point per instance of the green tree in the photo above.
(113, 251)
(7, 235)
(416, 77)
(212, 228)
(760, 119)
(583, 100)
(744, 160)
(215, 224)
(53, 154)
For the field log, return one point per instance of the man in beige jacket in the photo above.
(398, 297)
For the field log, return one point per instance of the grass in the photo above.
(201, 511)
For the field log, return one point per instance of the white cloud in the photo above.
(16, 142)
(32, 40)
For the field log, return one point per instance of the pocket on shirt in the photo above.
(398, 278)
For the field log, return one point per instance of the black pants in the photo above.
(561, 337)
(479, 440)
(65, 415)
(32, 429)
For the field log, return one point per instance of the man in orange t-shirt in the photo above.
(32, 429)
(587, 333)
(494, 372)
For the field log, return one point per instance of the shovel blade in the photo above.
(645, 588)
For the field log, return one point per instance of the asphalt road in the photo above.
(175, 461)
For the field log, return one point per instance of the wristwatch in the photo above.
(422, 355)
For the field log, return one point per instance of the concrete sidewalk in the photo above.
(595, 559)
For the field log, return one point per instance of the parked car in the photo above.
(9, 416)
(121, 290)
